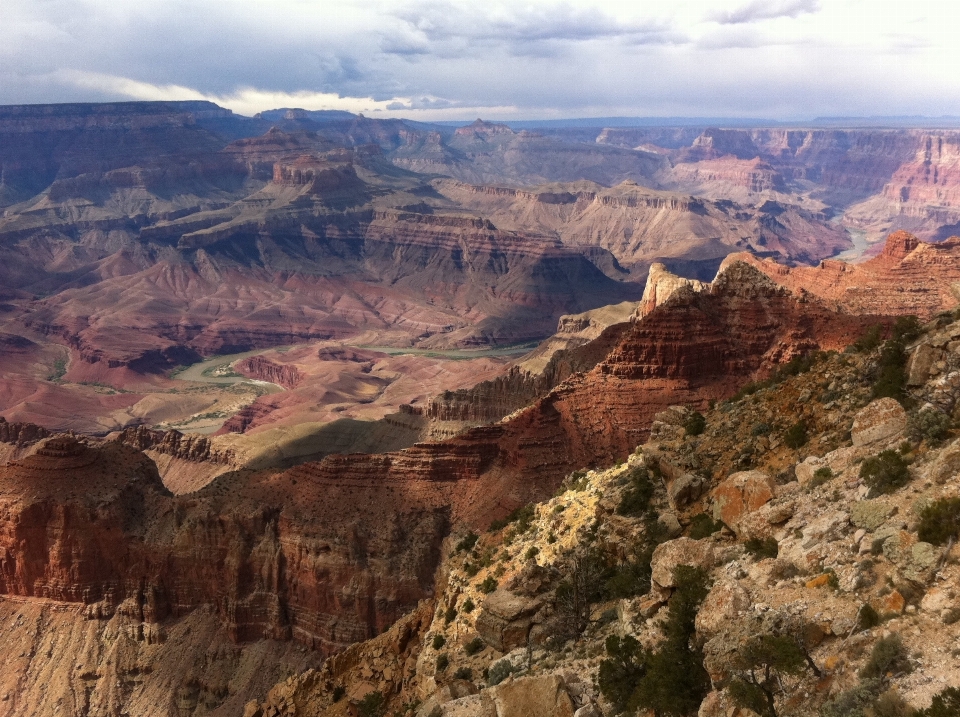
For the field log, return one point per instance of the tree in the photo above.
(759, 666)
(574, 593)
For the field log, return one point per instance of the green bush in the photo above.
(499, 671)
(855, 702)
(940, 521)
(796, 435)
(928, 424)
(443, 661)
(695, 424)
(468, 605)
(636, 498)
(488, 585)
(474, 646)
(906, 328)
(821, 476)
(438, 641)
(884, 473)
(891, 371)
(532, 552)
(522, 516)
(450, 615)
(467, 542)
(869, 341)
(622, 670)
(759, 666)
(760, 549)
(703, 526)
(338, 693)
(867, 617)
(888, 657)
(372, 705)
(945, 704)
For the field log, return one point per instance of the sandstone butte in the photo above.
(333, 552)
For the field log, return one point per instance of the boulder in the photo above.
(870, 514)
(740, 494)
(722, 604)
(921, 363)
(471, 706)
(434, 705)
(670, 524)
(917, 560)
(682, 551)
(880, 420)
(505, 619)
(936, 601)
(945, 466)
(529, 697)
(685, 489)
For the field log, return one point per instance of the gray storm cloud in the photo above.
(434, 58)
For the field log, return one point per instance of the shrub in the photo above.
(636, 498)
(532, 552)
(443, 661)
(471, 569)
(624, 668)
(522, 516)
(760, 549)
(855, 702)
(761, 429)
(450, 615)
(821, 476)
(438, 641)
(906, 328)
(488, 585)
(703, 526)
(796, 435)
(628, 579)
(759, 666)
(940, 521)
(867, 617)
(499, 671)
(463, 673)
(373, 705)
(891, 371)
(695, 424)
(888, 657)
(928, 424)
(338, 692)
(869, 341)
(467, 542)
(945, 704)
(474, 646)
(468, 605)
(884, 473)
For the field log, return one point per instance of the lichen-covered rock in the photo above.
(682, 551)
(530, 697)
(870, 514)
(806, 468)
(882, 419)
(684, 490)
(945, 466)
(740, 494)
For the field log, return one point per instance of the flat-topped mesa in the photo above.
(909, 276)
(318, 174)
(480, 128)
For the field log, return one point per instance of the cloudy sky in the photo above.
(453, 59)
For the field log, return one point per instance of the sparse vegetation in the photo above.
(467, 542)
(888, 658)
(928, 424)
(796, 436)
(522, 516)
(443, 661)
(372, 705)
(468, 606)
(474, 646)
(820, 476)
(450, 615)
(703, 526)
(438, 641)
(940, 521)
(759, 668)
(636, 498)
(59, 369)
(695, 424)
(761, 548)
(488, 585)
(884, 473)
(499, 671)
(945, 704)
(463, 673)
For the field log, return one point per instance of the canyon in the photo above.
(259, 373)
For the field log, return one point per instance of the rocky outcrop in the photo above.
(21, 433)
(661, 285)
(908, 277)
(194, 447)
(262, 369)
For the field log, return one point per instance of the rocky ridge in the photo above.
(790, 533)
